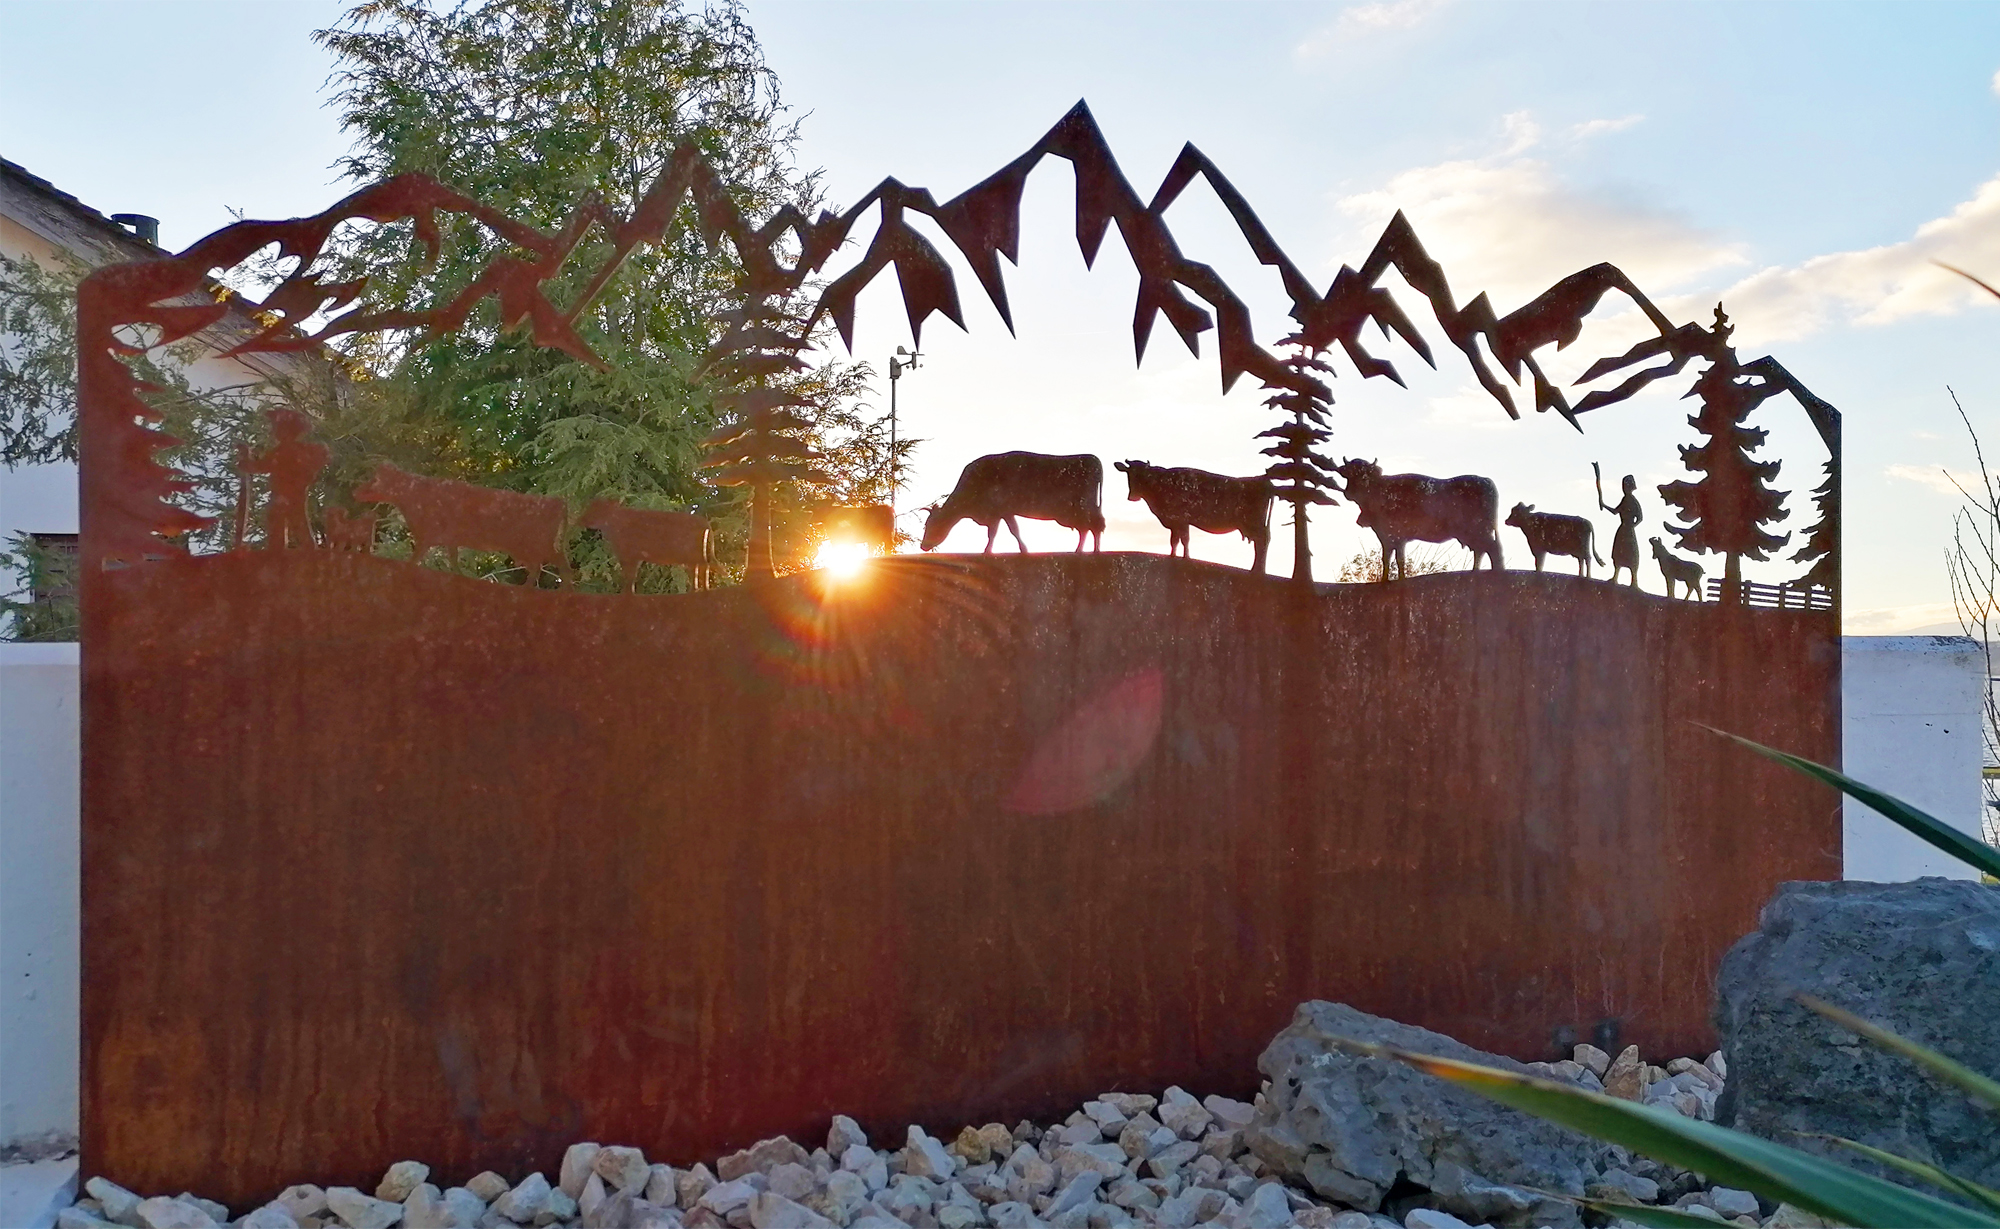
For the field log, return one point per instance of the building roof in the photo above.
(61, 219)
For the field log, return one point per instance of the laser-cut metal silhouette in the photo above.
(1304, 474)
(1212, 503)
(1625, 543)
(663, 538)
(459, 516)
(1676, 570)
(1730, 504)
(292, 462)
(1405, 508)
(761, 448)
(996, 489)
(869, 525)
(349, 531)
(137, 494)
(1555, 533)
(1728, 507)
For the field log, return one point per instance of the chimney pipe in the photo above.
(144, 226)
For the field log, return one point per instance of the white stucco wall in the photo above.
(39, 758)
(1911, 729)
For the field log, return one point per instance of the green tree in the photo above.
(543, 109)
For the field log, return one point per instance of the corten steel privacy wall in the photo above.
(381, 861)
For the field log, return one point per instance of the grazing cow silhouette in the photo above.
(871, 525)
(1404, 508)
(665, 539)
(1673, 568)
(1552, 533)
(1212, 503)
(994, 489)
(459, 516)
(349, 532)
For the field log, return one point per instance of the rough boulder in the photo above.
(1922, 959)
(1356, 1128)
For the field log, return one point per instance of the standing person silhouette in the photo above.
(292, 461)
(1625, 544)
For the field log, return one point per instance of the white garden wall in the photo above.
(1911, 728)
(38, 896)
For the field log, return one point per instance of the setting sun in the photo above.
(841, 559)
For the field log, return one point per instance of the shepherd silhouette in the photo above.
(1625, 543)
(293, 462)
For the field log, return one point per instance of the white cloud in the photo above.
(1600, 127)
(1881, 284)
(1509, 225)
(1359, 20)
(1944, 482)
(1522, 132)
(1996, 81)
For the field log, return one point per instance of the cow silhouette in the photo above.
(1068, 490)
(1404, 508)
(459, 516)
(665, 539)
(1553, 533)
(349, 531)
(1212, 503)
(871, 525)
(1675, 569)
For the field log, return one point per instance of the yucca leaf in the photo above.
(1981, 1088)
(1728, 1157)
(1925, 827)
(1990, 1199)
(1647, 1214)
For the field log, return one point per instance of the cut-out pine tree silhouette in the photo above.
(760, 449)
(1303, 474)
(1729, 505)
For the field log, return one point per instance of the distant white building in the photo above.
(40, 222)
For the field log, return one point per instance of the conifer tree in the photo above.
(1730, 504)
(1303, 473)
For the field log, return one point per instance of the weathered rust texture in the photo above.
(384, 863)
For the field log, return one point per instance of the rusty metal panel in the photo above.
(380, 862)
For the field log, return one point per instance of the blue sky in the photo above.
(1803, 163)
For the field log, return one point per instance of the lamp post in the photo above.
(903, 360)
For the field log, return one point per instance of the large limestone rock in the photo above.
(1920, 958)
(1353, 1127)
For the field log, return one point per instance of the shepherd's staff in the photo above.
(1599, 475)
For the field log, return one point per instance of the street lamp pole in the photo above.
(903, 360)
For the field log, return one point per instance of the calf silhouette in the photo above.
(1552, 533)
(349, 532)
(872, 525)
(1068, 490)
(459, 516)
(666, 539)
(1404, 508)
(1675, 569)
(1212, 503)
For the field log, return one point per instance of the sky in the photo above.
(1803, 164)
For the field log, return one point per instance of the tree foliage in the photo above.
(537, 107)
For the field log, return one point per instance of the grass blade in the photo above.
(1922, 825)
(1981, 1088)
(1989, 1199)
(1727, 1157)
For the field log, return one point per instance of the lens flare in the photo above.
(841, 560)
